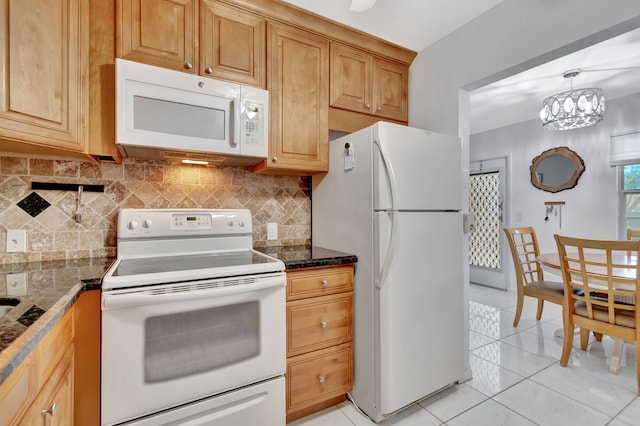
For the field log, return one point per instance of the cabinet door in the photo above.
(390, 88)
(232, 44)
(43, 51)
(299, 95)
(54, 404)
(351, 72)
(159, 32)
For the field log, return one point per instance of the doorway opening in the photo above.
(487, 246)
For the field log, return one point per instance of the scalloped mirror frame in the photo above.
(565, 152)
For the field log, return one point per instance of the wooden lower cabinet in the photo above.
(54, 404)
(319, 338)
(40, 390)
(317, 377)
(59, 382)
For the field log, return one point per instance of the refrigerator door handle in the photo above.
(382, 275)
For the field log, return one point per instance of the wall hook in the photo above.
(78, 214)
(554, 207)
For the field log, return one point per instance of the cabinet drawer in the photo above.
(318, 323)
(317, 376)
(319, 282)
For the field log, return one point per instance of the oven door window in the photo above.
(186, 343)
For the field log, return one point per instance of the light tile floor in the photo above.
(517, 377)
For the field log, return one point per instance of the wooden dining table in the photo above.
(551, 263)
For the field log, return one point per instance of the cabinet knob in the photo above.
(323, 324)
(51, 410)
(368, 106)
(325, 283)
(321, 379)
(208, 70)
(379, 107)
(188, 66)
(275, 159)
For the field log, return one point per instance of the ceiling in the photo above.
(416, 24)
(519, 98)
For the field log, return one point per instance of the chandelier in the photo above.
(572, 109)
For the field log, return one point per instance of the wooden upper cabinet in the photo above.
(367, 84)
(159, 32)
(390, 90)
(232, 44)
(43, 48)
(351, 72)
(298, 83)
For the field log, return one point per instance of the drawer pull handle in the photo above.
(325, 283)
(321, 379)
(51, 411)
(323, 324)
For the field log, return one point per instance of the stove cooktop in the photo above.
(153, 265)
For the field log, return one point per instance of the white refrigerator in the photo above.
(393, 197)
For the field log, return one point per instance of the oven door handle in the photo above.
(146, 297)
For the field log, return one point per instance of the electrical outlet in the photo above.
(16, 284)
(16, 240)
(272, 231)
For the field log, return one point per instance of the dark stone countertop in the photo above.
(297, 257)
(50, 288)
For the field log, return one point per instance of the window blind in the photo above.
(625, 149)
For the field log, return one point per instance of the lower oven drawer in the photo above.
(318, 376)
(260, 404)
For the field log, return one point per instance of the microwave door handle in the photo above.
(235, 122)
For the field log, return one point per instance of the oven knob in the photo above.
(133, 225)
(230, 222)
(241, 222)
(147, 223)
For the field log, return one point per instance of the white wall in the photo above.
(513, 36)
(591, 209)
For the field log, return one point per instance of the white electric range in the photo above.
(193, 322)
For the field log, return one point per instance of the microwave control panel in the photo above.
(252, 120)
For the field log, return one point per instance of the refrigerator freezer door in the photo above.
(421, 332)
(423, 169)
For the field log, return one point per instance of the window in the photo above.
(630, 197)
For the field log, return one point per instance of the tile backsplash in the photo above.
(48, 216)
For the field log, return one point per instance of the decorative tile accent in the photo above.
(30, 316)
(33, 204)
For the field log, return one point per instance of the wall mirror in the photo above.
(556, 169)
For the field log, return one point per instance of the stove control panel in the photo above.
(191, 221)
(151, 223)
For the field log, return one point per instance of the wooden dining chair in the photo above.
(600, 291)
(529, 275)
(633, 233)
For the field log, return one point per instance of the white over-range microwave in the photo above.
(171, 115)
